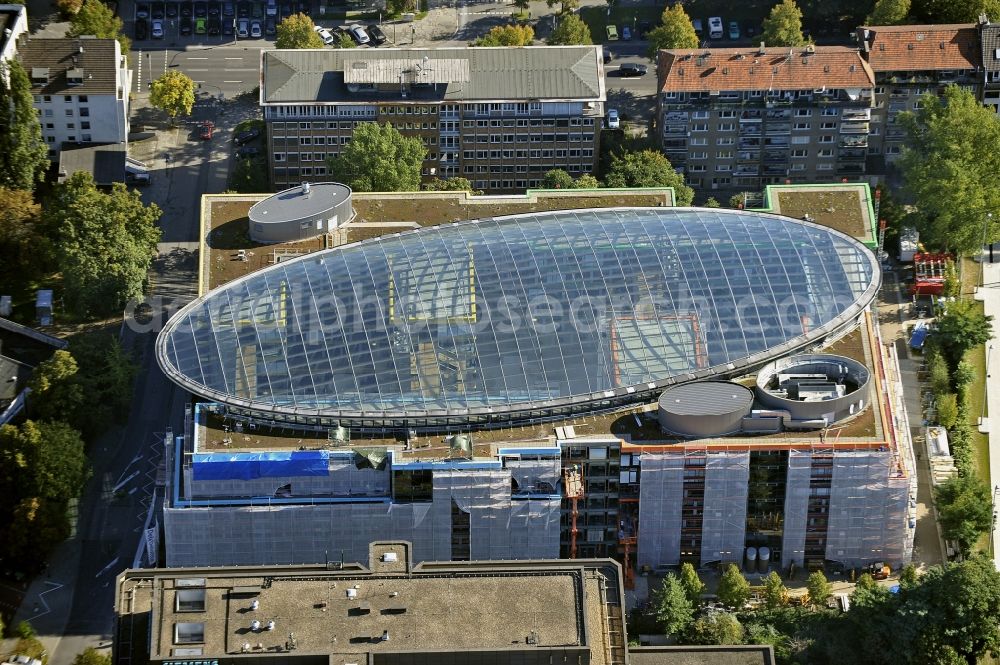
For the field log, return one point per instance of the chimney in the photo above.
(760, 51)
(305, 189)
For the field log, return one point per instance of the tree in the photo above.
(775, 593)
(507, 35)
(397, 7)
(766, 634)
(647, 168)
(105, 243)
(737, 201)
(92, 656)
(943, 11)
(675, 31)
(717, 628)
(733, 590)
(947, 409)
(173, 93)
(523, 5)
(784, 25)
(965, 510)
(453, 184)
(889, 12)
(962, 327)
(951, 155)
(565, 6)
(54, 391)
(963, 375)
(693, 586)
(297, 31)
(908, 576)
(97, 19)
(249, 176)
(819, 588)
(379, 159)
(21, 244)
(557, 179)
(938, 375)
(587, 181)
(673, 608)
(24, 156)
(343, 41)
(712, 202)
(46, 459)
(570, 30)
(69, 8)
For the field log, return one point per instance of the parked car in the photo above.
(358, 34)
(215, 9)
(243, 9)
(734, 30)
(255, 30)
(612, 33)
(644, 28)
(626, 33)
(376, 34)
(229, 8)
(185, 25)
(247, 151)
(207, 129)
(157, 30)
(243, 28)
(607, 56)
(613, 120)
(228, 28)
(214, 25)
(751, 31)
(141, 29)
(715, 27)
(272, 7)
(325, 35)
(159, 11)
(699, 29)
(270, 26)
(200, 9)
(171, 10)
(200, 26)
(285, 10)
(246, 136)
(142, 10)
(256, 10)
(631, 69)
(138, 179)
(186, 9)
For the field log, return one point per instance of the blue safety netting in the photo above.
(247, 466)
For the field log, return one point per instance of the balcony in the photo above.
(675, 116)
(674, 130)
(749, 144)
(854, 127)
(854, 141)
(775, 170)
(743, 171)
(852, 154)
(748, 129)
(775, 142)
(850, 169)
(751, 116)
(856, 114)
(772, 157)
(895, 134)
(778, 128)
(779, 114)
(747, 156)
(899, 93)
(674, 144)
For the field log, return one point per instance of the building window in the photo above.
(190, 600)
(189, 633)
(69, 113)
(84, 112)
(699, 155)
(48, 99)
(698, 141)
(826, 138)
(728, 140)
(85, 124)
(726, 126)
(699, 127)
(70, 125)
(803, 113)
(799, 152)
(83, 99)
(86, 138)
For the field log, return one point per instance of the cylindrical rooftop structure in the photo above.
(814, 387)
(704, 409)
(300, 213)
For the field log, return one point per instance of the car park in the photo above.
(247, 151)
(285, 10)
(171, 10)
(750, 30)
(612, 33)
(715, 27)
(644, 28)
(607, 56)
(207, 129)
(272, 7)
(270, 26)
(142, 10)
(141, 29)
(626, 33)
(200, 26)
(200, 9)
(228, 28)
(325, 35)
(157, 30)
(243, 28)
(215, 9)
(358, 34)
(256, 10)
(632, 69)
(614, 122)
(246, 136)
(699, 29)
(214, 25)
(243, 9)
(229, 8)
(255, 30)
(186, 8)
(376, 34)
(303, 7)
(185, 25)
(734, 30)
(159, 11)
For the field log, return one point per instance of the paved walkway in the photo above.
(989, 294)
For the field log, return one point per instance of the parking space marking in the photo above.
(232, 81)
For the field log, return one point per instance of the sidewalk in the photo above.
(989, 295)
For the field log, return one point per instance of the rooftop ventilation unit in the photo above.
(352, 593)
(305, 189)
(255, 625)
(270, 625)
(385, 635)
(255, 605)
(390, 557)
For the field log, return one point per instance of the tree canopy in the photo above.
(91, 656)
(507, 35)
(379, 159)
(783, 27)
(693, 586)
(673, 608)
(97, 19)
(23, 154)
(819, 588)
(173, 93)
(453, 184)
(965, 510)
(570, 30)
(565, 6)
(647, 168)
(962, 326)
(949, 164)
(717, 628)
(21, 242)
(775, 593)
(557, 179)
(964, 11)
(297, 31)
(675, 31)
(733, 590)
(104, 242)
(889, 12)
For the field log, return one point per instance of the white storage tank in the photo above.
(299, 213)
(704, 409)
(750, 560)
(763, 558)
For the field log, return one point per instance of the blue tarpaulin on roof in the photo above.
(247, 466)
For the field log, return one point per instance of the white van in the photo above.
(715, 27)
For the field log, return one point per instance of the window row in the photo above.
(68, 99)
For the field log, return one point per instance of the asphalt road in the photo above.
(226, 70)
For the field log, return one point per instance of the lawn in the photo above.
(977, 389)
(597, 18)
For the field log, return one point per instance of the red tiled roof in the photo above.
(700, 70)
(897, 48)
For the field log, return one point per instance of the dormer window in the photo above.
(74, 76)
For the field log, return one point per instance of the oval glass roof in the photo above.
(518, 314)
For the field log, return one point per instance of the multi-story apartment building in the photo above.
(989, 43)
(740, 118)
(81, 87)
(500, 117)
(909, 61)
(13, 24)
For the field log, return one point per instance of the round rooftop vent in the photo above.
(704, 409)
